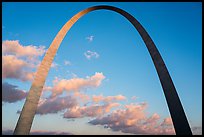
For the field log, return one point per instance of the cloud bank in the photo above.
(19, 60)
(38, 132)
(133, 119)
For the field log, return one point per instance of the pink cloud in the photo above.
(167, 121)
(94, 110)
(75, 84)
(56, 80)
(133, 119)
(18, 60)
(55, 104)
(14, 47)
(11, 94)
(12, 67)
(107, 99)
(47, 88)
(81, 96)
(153, 119)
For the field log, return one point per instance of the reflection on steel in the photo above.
(175, 107)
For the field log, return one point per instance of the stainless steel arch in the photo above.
(175, 107)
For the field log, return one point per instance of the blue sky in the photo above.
(122, 55)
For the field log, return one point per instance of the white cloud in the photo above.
(90, 38)
(91, 54)
(73, 75)
(67, 63)
(54, 65)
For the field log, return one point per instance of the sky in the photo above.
(102, 80)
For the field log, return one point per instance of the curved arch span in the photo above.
(179, 119)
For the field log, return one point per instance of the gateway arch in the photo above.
(177, 113)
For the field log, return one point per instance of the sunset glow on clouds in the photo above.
(89, 111)
(100, 98)
(55, 104)
(14, 47)
(75, 84)
(15, 68)
(102, 79)
(127, 120)
(132, 119)
(107, 110)
(18, 60)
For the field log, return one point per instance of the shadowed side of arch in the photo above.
(175, 107)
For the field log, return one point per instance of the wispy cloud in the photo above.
(91, 54)
(11, 94)
(54, 65)
(90, 38)
(134, 97)
(73, 75)
(67, 63)
(101, 98)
